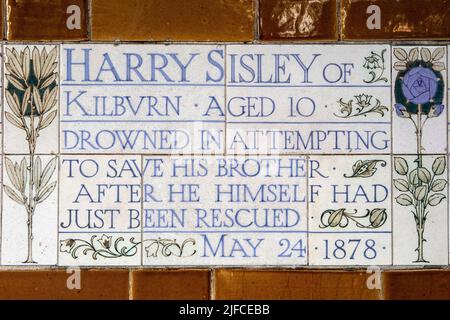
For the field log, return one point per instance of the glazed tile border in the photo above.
(225, 155)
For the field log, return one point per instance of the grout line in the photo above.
(256, 24)
(391, 93)
(225, 98)
(88, 14)
(381, 294)
(2, 132)
(58, 155)
(130, 284)
(212, 284)
(142, 212)
(307, 193)
(4, 18)
(338, 20)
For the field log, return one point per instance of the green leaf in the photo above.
(439, 165)
(404, 200)
(12, 174)
(424, 175)
(420, 193)
(47, 173)
(425, 53)
(45, 192)
(438, 66)
(13, 195)
(16, 83)
(413, 54)
(414, 178)
(400, 54)
(438, 54)
(401, 185)
(13, 120)
(48, 119)
(438, 185)
(377, 217)
(435, 199)
(401, 166)
(13, 103)
(36, 63)
(335, 218)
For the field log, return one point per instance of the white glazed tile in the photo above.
(410, 94)
(350, 210)
(16, 192)
(99, 216)
(306, 100)
(344, 125)
(207, 225)
(41, 78)
(142, 99)
(417, 209)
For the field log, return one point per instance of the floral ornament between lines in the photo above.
(376, 65)
(365, 168)
(364, 106)
(106, 247)
(341, 218)
(168, 247)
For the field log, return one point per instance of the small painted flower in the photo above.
(66, 245)
(363, 100)
(436, 110)
(401, 111)
(105, 241)
(419, 85)
(372, 62)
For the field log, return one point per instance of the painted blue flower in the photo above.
(419, 85)
(436, 110)
(401, 111)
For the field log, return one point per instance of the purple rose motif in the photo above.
(419, 85)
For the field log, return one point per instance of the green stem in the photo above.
(31, 205)
(420, 225)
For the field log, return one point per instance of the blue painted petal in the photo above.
(427, 73)
(432, 87)
(438, 110)
(406, 92)
(421, 98)
(400, 110)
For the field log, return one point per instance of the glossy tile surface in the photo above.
(399, 19)
(177, 20)
(71, 284)
(298, 20)
(292, 285)
(47, 19)
(170, 285)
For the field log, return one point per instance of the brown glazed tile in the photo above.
(298, 19)
(52, 284)
(193, 20)
(291, 285)
(414, 285)
(170, 285)
(400, 19)
(44, 20)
